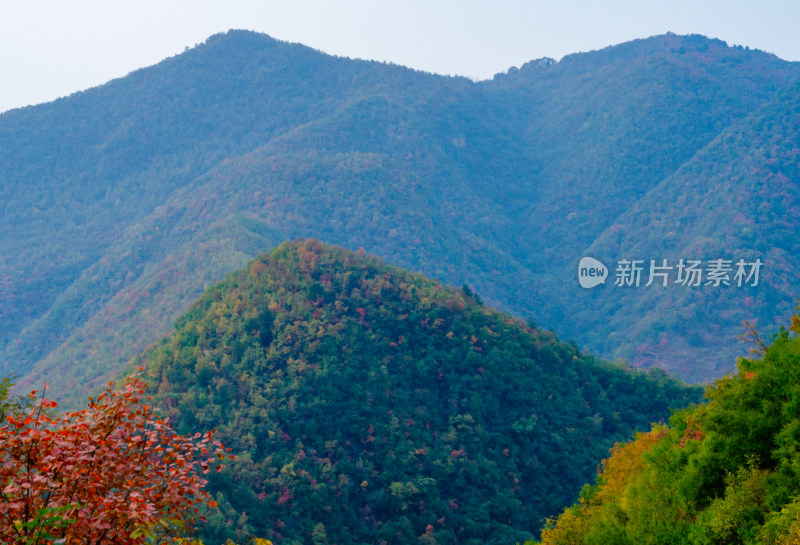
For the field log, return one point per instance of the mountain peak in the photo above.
(377, 402)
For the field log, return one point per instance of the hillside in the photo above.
(722, 473)
(120, 204)
(367, 404)
(737, 198)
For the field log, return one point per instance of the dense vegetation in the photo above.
(120, 204)
(737, 198)
(724, 473)
(111, 473)
(367, 404)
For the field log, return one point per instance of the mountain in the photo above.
(121, 203)
(737, 198)
(368, 404)
(664, 137)
(726, 472)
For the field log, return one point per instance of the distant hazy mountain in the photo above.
(737, 198)
(367, 404)
(121, 203)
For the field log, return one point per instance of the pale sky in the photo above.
(51, 48)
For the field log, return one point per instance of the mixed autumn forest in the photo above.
(156, 185)
(236, 227)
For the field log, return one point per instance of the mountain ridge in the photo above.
(500, 184)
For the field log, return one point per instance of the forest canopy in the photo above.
(726, 472)
(367, 404)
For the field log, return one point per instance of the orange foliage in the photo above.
(626, 462)
(618, 472)
(106, 474)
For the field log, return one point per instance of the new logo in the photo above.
(591, 272)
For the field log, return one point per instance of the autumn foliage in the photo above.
(111, 473)
(723, 473)
(367, 426)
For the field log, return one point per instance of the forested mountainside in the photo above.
(368, 404)
(121, 203)
(737, 198)
(727, 472)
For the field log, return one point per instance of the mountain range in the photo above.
(120, 204)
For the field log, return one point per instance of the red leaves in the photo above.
(111, 470)
(457, 453)
(285, 496)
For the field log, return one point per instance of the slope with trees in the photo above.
(121, 203)
(367, 404)
(721, 473)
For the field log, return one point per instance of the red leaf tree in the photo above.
(111, 473)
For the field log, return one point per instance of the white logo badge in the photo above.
(591, 272)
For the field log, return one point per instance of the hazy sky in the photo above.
(51, 48)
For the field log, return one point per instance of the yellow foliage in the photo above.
(783, 528)
(618, 471)
(792, 537)
(796, 321)
(570, 528)
(624, 464)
